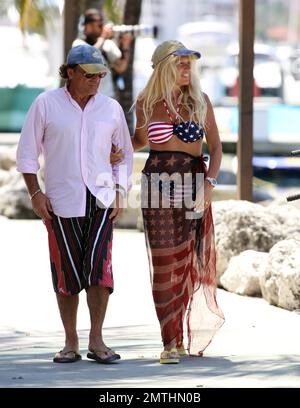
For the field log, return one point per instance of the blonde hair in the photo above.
(161, 84)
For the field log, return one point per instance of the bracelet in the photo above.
(35, 193)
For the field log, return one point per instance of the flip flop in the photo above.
(182, 351)
(62, 358)
(92, 354)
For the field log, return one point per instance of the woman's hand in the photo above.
(118, 208)
(203, 199)
(116, 155)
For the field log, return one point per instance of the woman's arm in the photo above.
(204, 196)
(140, 138)
(213, 141)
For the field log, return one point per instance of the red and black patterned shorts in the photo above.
(80, 249)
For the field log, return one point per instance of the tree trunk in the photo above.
(71, 17)
(97, 4)
(132, 14)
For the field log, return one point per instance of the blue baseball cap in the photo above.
(172, 47)
(89, 58)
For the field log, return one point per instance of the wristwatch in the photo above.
(212, 181)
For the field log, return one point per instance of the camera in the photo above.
(138, 30)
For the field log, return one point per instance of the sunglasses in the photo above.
(89, 76)
(98, 22)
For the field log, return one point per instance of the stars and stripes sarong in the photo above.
(181, 251)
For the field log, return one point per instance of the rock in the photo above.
(243, 272)
(289, 217)
(7, 157)
(242, 225)
(4, 177)
(280, 283)
(14, 199)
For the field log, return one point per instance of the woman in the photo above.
(173, 115)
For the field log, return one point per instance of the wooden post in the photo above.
(245, 139)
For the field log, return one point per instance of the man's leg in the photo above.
(66, 266)
(68, 306)
(97, 299)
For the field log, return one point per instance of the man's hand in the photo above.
(118, 208)
(41, 206)
(125, 41)
(116, 155)
(107, 31)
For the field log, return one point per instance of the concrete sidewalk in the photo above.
(258, 346)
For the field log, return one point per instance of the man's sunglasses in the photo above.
(89, 76)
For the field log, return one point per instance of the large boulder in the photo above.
(7, 157)
(243, 273)
(14, 198)
(289, 217)
(280, 282)
(4, 177)
(242, 225)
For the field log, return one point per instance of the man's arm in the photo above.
(120, 65)
(40, 203)
(122, 171)
(29, 149)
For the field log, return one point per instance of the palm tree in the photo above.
(34, 13)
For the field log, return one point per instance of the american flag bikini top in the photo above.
(161, 132)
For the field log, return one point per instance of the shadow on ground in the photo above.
(26, 361)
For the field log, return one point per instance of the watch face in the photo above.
(212, 181)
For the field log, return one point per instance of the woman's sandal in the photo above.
(169, 357)
(183, 352)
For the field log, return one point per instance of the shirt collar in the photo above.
(91, 100)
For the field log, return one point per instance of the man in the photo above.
(75, 127)
(99, 35)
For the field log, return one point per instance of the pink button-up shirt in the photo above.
(76, 145)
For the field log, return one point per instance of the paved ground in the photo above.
(258, 346)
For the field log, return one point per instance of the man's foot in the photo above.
(103, 354)
(103, 357)
(66, 356)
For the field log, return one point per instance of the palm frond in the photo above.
(113, 10)
(33, 14)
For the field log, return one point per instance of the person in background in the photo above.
(99, 35)
(75, 127)
(173, 117)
